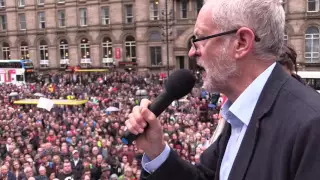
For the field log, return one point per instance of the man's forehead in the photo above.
(204, 23)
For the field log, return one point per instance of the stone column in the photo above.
(73, 55)
(34, 57)
(95, 55)
(53, 60)
(297, 42)
(142, 54)
(14, 53)
(171, 56)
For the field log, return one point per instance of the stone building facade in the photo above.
(302, 31)
(93, 33)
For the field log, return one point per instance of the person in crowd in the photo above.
(77, 164)
(67, 172)
(42, 174)
(288, 60)
(6, 174)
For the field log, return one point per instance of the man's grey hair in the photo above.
(26, 169)
(266, 18)
(42, 168)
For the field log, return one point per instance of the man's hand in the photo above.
(151, 139)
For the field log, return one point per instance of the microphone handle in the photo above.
(156, 107)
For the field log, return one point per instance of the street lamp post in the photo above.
(167, 37)
(167, 16)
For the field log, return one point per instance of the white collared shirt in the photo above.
(238, 115)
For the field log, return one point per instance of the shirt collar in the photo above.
(244, 105)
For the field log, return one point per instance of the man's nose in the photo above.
(192, 52)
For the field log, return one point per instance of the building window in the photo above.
(129, 13)
(312, 45)
(105, 16)
(3, 19)
(183, 9)
(130, 45)
(107, 52)
(61, 18)
(22, 21)
(313, 5)
(42, 20)
(24, 51)
(198, 6)
(155, 55)
(85, 53)
(83, 17)
(5, 51)
(64, 53)
(44, 54)
(154, 10)
(40, 2)
(2, 4)
(21, 3)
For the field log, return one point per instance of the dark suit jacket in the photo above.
(282, 141)
(77, 169)
(11, 176)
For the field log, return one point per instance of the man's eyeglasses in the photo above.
(194, 39)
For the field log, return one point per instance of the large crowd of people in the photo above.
(83, 142)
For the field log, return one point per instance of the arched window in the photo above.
(85, 52)
(24, 51)
(130, 45)
(107, 58)
(44, 54)
(64, 53)
(5, 51)
(312, 45)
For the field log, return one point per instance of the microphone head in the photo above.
(180, 83)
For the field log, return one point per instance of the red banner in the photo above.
(118, 53)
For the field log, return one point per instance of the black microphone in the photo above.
(179, 84)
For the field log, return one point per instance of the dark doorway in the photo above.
(180, 61)
(192, 61)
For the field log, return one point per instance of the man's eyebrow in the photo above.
(197, 32)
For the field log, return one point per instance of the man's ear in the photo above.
(244, 42)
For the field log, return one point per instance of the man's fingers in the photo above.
(131, 128)
(136, 115)
(145, 112)
(139, 117)
(149, 116)
(145, 103)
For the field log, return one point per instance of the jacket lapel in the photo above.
(225, 135)
(268, 96)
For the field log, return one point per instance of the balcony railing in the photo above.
(44, 62)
